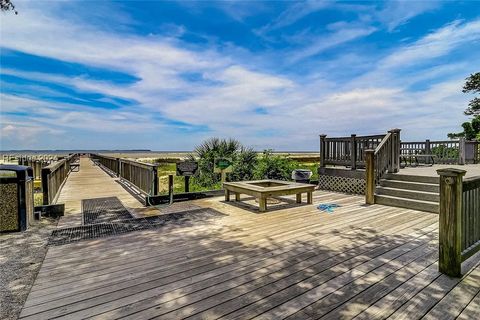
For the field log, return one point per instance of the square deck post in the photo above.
(450, 223)
(322, 150)
(353, 151)
(461, 151)
(370, 176)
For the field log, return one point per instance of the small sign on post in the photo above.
(187, 169)
(223, 166)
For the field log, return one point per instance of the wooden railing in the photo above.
(347, 151)
(111, 163)
(53, 177)
(143, 176)
(385, 158)
(459, 221)
(445, 152)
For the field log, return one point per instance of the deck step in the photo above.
(428, 206)
(411, 178)
(408, 185)
(409, 194)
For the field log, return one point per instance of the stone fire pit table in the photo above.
(263, 189)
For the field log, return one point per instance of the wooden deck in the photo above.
(472, 170)
(294, 262)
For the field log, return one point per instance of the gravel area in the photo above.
(21, 255)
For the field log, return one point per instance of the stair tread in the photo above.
(408, 190)
(413, 182)
(407, 199)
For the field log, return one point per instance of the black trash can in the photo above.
(16, 197)
(301, 175)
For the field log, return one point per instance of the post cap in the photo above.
(395, 130)
(451, 172)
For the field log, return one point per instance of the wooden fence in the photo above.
(445, 152)
(347, 151)
(459, 221)
(53, 177)
(143, 176)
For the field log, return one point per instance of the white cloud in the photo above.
(227, 88)
(324, 42)
(397, 13)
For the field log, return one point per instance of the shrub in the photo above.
(244, 161)
(272, 166)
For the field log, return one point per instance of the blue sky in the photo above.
(166, 75)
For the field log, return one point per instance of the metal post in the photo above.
(170, 188)
(187, 183)
(450, 223)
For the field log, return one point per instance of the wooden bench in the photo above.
(75, 167)
(409, 157)
(263, 189)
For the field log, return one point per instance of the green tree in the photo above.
(471, 129)
(7, 5)
(472, 85)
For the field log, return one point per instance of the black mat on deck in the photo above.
(93, 231)
(104, 210)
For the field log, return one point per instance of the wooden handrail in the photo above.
(384, 158)
(53, 178)
(143, 176)
(384, 141)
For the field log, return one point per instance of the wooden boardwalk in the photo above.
(89, 183)
(293, 262)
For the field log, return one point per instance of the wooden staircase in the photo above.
(407, 191)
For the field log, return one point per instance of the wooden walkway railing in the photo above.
(53, 177)
(143, 176)
(347, 151)
(459, 229)
(445, 152)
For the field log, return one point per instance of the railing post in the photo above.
(45, 173)
(395, 163)
(322, 150)
(353, 151)
(117, 172)
(450, 224)
(461, 151)
(428, 150)
(370, 176)
(155, 181)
